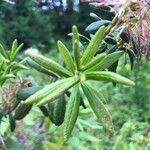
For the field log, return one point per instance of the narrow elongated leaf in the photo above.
(108, 61)
(131, 57)
(50, 89)
(112, 49)
(66, 56)
(12, 122)
(110, 40)
(75, 36)
(77, 55)
(1, 65)
(96, 17)
(49, 64)
(44, 111)
(58, 92)
(22, 110)
(97, 24)
(2, 51)
(24, 93)
(57, 110)
(98, 107)
(71, 112)
(3, 78)
(13, 48)
(16, 51)
(76, 47)
(93, 46)
(94, 61)
(39, 68)
(108, 76)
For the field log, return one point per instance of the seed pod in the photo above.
(71, 112)
(57, 111)
(107, 61)
(12, 122)
(49, 64)
(98, 107)
(50, 89)
(22, 110)
(93, 46)
(108, 76)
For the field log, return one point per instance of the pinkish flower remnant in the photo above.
(135, 16)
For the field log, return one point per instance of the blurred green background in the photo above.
(39, 24)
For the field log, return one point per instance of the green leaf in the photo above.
(108, 76)
(50, 89)
(54, 94)
(13, 48)
(57, 112)
(3, 78)
(107, 61)
(96, 17)
(93, 46)
(22, 110)
(94, 61)
(110, 40)
(76, 47)
(49, 64)
(44, 111)
(14, 45)
(1, 64)
(71, 112)
(98, 107)
(12, 122)
(15, 53)
(66, 56)
(39, 68)
(3, 51)
(77, 54)
(25, 93)
(97, 24)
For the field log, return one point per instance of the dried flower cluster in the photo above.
(135, 16)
